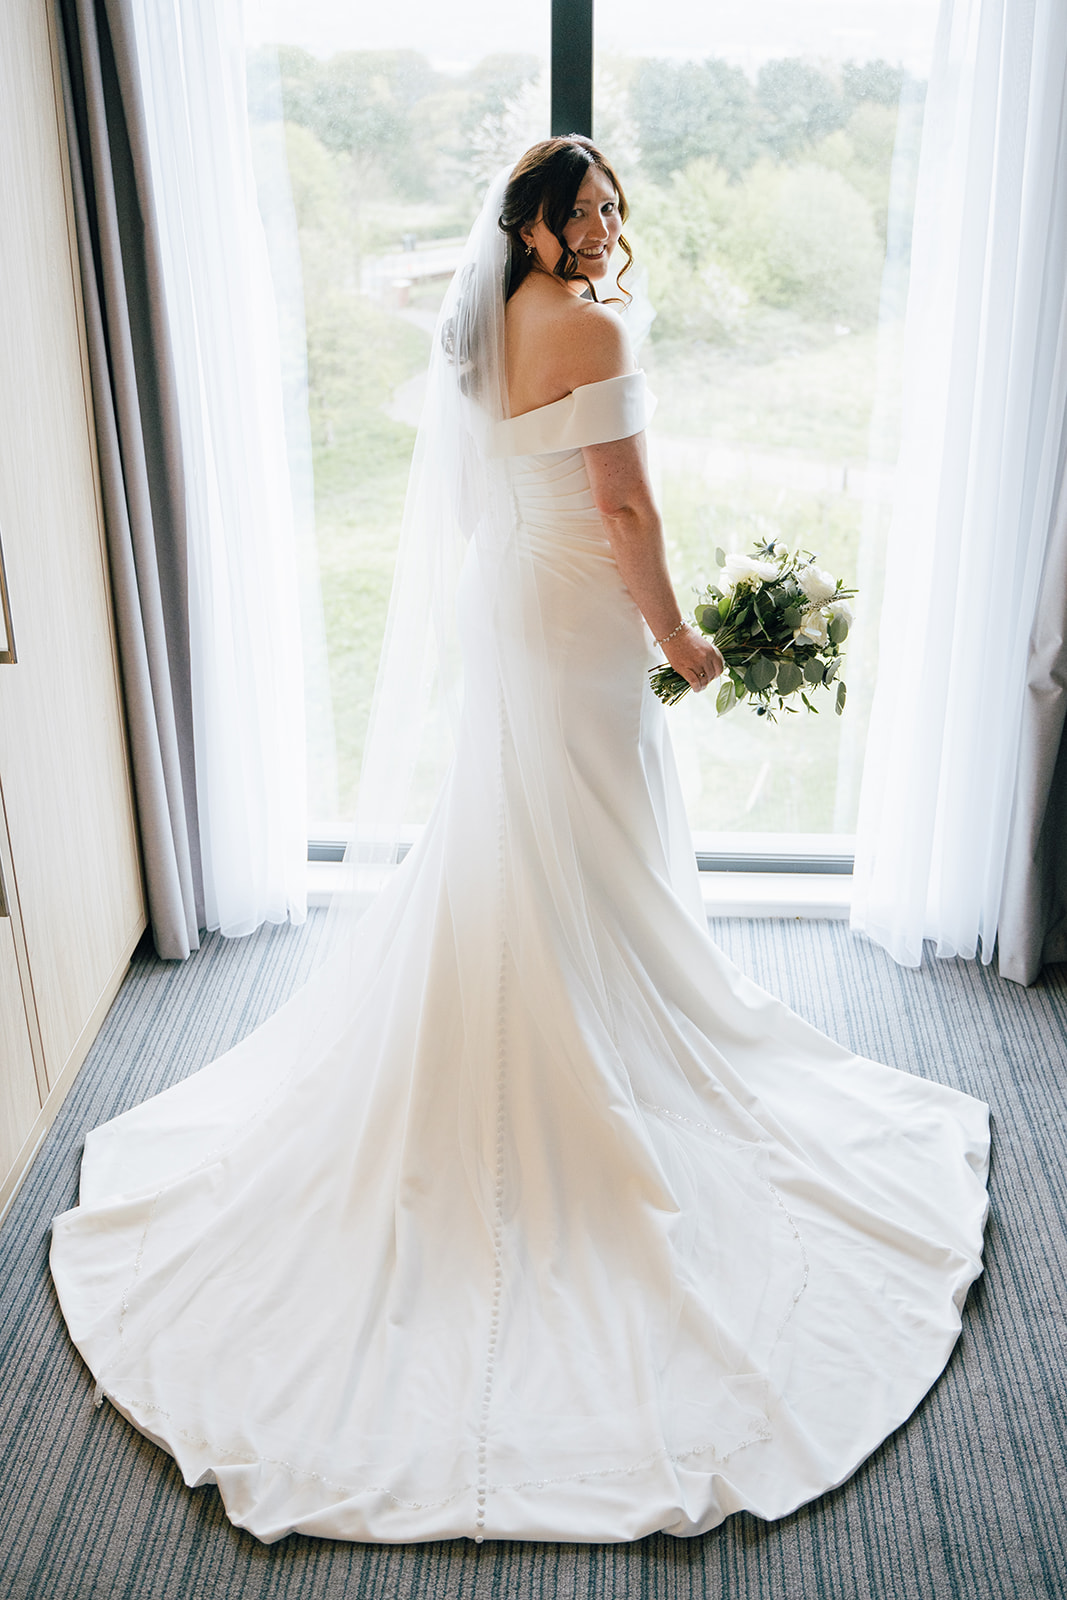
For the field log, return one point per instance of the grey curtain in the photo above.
(139, 449)
(1032, 929)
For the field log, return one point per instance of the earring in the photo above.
(529, 249)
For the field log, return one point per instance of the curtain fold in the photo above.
(985, 398)
(1033, 914)
(244, 581)
(187, 392)
(140, 459)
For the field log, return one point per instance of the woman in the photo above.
(558, 341)
(530, 1217)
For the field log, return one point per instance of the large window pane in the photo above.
(771, 146)
(395, 117)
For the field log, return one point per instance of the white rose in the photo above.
(841, 608)
(737, 568)
(816, 584)
(813, 630)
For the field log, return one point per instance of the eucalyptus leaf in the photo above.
(832, 669)
(761, 673)
(838, 629)
(720, 556)
(813, 669)
(790, 677)
(707, 618)
(726, 698)
(792, 618)
(842, 696)
(724, 607)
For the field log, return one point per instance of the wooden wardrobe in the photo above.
(71, 899)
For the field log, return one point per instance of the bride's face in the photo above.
(591, 231)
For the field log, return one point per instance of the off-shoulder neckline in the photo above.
(601, 383)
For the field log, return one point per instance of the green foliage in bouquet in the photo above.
(779, 622)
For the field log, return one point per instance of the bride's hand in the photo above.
(693, 655)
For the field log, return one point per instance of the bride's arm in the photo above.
(597, 347)
(618, 474)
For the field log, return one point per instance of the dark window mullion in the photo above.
(572, 66)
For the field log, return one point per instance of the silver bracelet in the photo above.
(667, 637)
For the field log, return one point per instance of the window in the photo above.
(389, 144)
(769, 148)
(774, 148)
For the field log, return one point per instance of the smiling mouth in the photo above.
(592, 255)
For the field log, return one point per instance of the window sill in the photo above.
(810, 895)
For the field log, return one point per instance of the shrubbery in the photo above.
(768, 191)
(790, 236)
(745, 193)
(803, 237)
(357, 352)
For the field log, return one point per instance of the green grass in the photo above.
(789, 386)
(359, 502)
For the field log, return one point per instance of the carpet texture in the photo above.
(966, 1501)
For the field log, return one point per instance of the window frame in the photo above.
(571, 72)
(571, 67)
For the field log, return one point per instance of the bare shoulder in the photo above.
(558, 342)
(598, 345)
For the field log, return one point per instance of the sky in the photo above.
(460, 32)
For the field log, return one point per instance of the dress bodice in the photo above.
(543, 449)
(594, 413)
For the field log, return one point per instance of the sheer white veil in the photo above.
(455, 490)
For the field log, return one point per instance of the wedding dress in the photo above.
(530, 1217)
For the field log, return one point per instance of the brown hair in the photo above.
(545, 185)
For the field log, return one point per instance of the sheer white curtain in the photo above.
(984, 405)
(243, 589)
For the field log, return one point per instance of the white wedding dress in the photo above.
(530, 1217)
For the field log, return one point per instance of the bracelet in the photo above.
(667, 637)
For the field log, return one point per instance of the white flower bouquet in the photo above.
(779, 622)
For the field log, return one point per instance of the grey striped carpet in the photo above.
(966, 1501)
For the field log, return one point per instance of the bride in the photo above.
(530, 1217)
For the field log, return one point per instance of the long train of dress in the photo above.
(530, 1217)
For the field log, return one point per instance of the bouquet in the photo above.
(779, 622)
